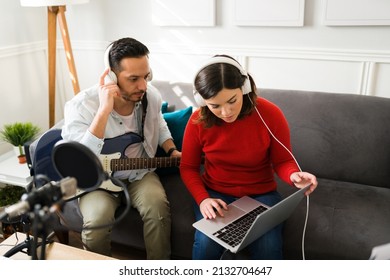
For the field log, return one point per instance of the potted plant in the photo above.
(17, 134)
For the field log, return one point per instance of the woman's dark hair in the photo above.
(126, 48)
(214, 78)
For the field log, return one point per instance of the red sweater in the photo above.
(240, 157)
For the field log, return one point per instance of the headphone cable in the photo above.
(299, 167)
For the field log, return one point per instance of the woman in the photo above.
(243, 139)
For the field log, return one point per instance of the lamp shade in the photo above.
(45, 3)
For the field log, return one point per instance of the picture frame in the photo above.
(269, 12)
(356, 12)
(190, 13)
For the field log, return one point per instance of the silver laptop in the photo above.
(247, 219)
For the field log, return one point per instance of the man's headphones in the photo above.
(246, 87)
(111, 76)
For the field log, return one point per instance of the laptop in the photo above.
(247, 220)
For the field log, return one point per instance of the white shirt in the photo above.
(82, 108)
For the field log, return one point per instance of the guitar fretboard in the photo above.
(122, 164)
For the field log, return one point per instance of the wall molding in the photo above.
(367, 77)
(277, 52)
(15, 50)
(38, 46)
(240, 51)
(368, 61)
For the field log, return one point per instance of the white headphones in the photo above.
(246, 87)
(111, 76)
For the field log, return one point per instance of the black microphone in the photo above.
(47, 195)
(73, 159)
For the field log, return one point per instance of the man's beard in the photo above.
(139, 94)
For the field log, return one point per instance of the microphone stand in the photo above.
(26, 244)
(46, 195)
(39, 229)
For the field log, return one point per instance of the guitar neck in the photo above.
(122, 164)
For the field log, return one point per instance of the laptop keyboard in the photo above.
(234, 232)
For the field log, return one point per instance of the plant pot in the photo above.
(22, 159)
(19, 150)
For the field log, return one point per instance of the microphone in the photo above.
(78, 166)
(46, 195)
(73, 159)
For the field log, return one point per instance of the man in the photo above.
(120, 103)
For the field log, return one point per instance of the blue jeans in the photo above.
(267, 247)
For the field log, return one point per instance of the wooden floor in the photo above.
(118, 251)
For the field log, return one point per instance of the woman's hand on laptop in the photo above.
(211, 207)
(303, 179)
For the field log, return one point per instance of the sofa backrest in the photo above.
(344, 137)
(178, 95)
(338, 136)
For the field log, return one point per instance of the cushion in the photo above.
(176, 122)
(164, 107)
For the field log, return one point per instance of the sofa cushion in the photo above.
(342, 221)
(164, 107)
(129, 231)
(176, 122)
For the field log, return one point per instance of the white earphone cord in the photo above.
(307, 197)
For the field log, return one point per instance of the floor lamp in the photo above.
(56, 11)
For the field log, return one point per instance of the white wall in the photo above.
(350, 59)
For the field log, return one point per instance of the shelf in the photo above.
(12, 172)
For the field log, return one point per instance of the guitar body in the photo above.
(113, 159)
(120, 143)
(107, 185)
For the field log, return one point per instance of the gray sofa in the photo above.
(344, 139)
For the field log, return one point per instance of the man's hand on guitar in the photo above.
(175, 153)
(170, 148)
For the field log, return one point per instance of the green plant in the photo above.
(19, 133)
(10, 194)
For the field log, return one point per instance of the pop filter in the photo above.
(73, 159)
